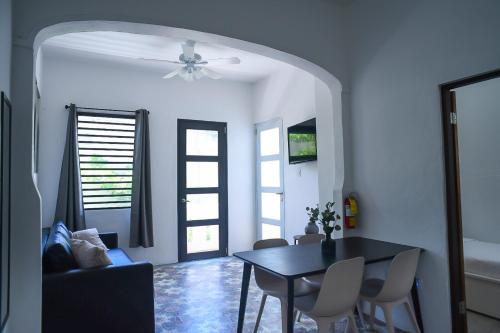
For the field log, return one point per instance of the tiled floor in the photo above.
(203, 297)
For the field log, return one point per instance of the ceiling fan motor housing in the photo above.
(195, 59)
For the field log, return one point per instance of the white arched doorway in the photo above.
(330, 133)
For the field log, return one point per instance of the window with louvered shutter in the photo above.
(106, 148)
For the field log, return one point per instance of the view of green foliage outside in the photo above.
(302, 144)
(120, 191)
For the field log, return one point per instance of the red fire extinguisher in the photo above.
(350, 212)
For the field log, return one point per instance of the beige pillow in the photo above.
(91, 236)
(88, 255)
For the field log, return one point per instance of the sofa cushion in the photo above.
(119, 257)
(88, 255)
(58, 256)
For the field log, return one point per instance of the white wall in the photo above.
(291, 96)
(401, 52)
(5, 44)
(478, 112)
(106, 84)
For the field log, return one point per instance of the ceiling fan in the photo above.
(194, 67)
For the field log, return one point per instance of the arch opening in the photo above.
(330, 135)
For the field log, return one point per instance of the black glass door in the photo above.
(202, 189)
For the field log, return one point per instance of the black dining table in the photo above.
(297, 261)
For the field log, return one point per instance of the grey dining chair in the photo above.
(274, 286)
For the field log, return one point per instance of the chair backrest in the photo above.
(340, 288)
(262, 277)
(311, 238)
(400, 276)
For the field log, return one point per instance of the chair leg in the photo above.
(261, 309)
(388, 318)
(360, 314)
(372, 314)
(299, 317)
(411, 313)
(324, 325)
(352, 324)
(296, 313)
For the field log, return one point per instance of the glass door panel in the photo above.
(202, 189)
(202, 206)
(202, 143)
(270, 173)
(202, 239)
(202, 174)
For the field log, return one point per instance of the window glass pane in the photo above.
(270, 142)
(202, 239)
(202, 174)
(270, 173)
(202, 143)
(202, 206)
(271, 206)
(270, 231)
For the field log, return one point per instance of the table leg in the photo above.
(416, 305)
(290, 306)
(247, 269)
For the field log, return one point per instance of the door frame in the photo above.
(182, 125)
(453, 204)
(262, 126)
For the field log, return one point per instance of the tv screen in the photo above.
(302, 142)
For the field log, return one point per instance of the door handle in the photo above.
(184, 200)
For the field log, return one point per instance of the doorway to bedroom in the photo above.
(472, 141)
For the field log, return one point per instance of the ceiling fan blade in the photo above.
(210, 73)
(224, 61)
(173, 73)
(188, 49)
(163, 60)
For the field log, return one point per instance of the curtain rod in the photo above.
(98, 109)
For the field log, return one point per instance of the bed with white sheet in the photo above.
(482, 276)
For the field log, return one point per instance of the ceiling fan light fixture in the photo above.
(194, 66)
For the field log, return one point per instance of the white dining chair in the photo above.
(337, 296)
(275, 286)
(314, 280)
(394, 290)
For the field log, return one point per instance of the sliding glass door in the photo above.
(270, 191)
(202, 189)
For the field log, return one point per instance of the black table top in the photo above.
(296, 261)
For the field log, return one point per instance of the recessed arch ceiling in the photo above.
(129, 48)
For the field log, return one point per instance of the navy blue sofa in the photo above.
(116, 298)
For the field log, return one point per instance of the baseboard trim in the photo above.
(483, 314)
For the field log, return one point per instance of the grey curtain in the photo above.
(69, 208)
(141, 215)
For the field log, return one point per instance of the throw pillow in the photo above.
(91, 236)
(88, 255)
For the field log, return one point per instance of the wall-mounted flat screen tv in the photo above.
(302, 142)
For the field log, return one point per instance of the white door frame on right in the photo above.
(268, 190)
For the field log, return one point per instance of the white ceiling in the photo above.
(129, 48)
